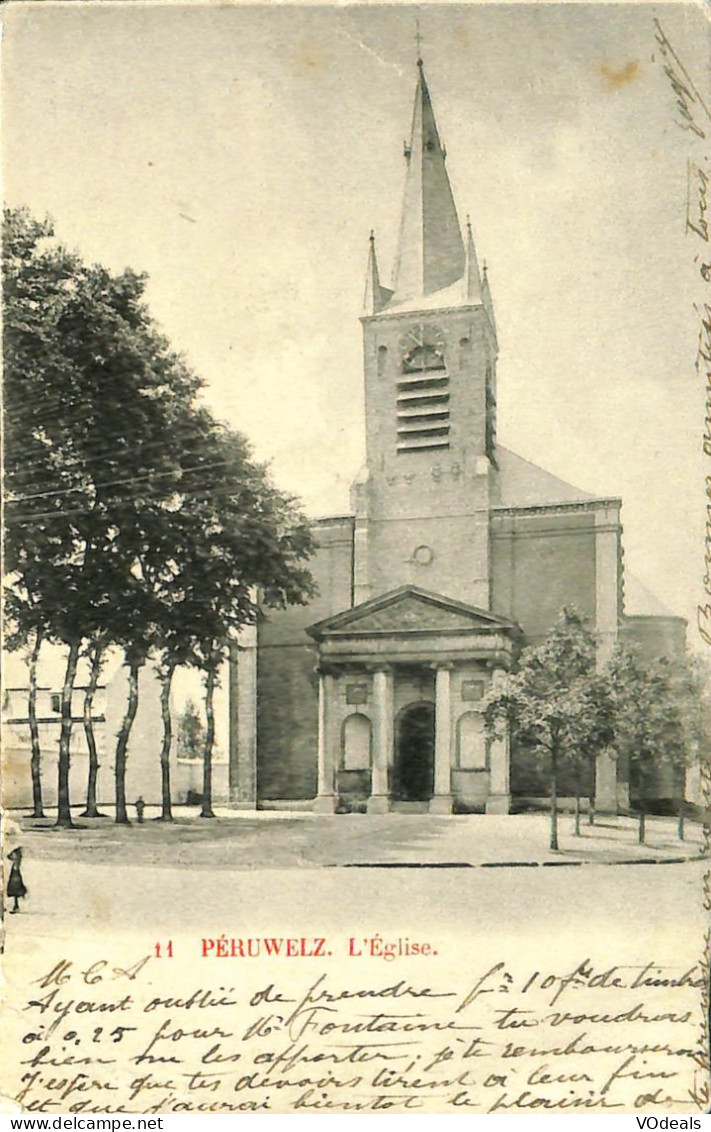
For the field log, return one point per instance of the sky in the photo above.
(240, 154)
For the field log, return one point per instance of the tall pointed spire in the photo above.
(473, 292)
(431, 251)
(376, 296)
(488, 302)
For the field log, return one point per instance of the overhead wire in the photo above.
(182, 434)
(60, 513)
(121, 483)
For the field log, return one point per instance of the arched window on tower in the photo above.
(382, 359)
(465, 349)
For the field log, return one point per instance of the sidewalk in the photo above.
(280, 839)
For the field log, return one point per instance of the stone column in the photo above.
(243, 720)
(383, 738)
(326, 799)
(499, 800)
(441, 802)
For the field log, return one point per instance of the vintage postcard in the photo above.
(357, 684)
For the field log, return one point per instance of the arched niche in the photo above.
(356, 742)
(472, 745)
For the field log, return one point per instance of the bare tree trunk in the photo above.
(641, 827)
(591, 810)
(680, 822)
(64, 812)
(577, 813)
(36, 755)
(122, 744)
(166, 811)
(91, 810)
(206, 811)
(554, 800)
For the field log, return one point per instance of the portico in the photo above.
(401, 682)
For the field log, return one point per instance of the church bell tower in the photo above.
(422, 500)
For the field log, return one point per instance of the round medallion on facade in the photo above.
(423, 555)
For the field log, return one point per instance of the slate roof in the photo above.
(520, 483)
(641, 602)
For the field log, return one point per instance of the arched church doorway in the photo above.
(413, 773)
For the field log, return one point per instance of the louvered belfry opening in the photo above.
(423, 395)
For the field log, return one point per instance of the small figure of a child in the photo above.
(140, 807)
(16, 887)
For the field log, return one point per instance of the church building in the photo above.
(456, 553)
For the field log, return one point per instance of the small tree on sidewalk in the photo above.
(589, 730)
(648, 721)
(691, 687)
(548, 702)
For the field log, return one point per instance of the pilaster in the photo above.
(608, 792)
(243, 720)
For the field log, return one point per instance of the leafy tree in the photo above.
(140, 402)
(550, 702)
(86, 384)
(225, 535)
(649, 729)
(135, 519)
(93, 393)
(589, 729)
(691, 687)
(662, 719)
(190, 732)
(42, 552)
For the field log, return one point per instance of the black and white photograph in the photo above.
(357, 558)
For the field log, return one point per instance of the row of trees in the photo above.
(134, 519)
(566, 710)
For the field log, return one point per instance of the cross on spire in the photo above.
(418, 40)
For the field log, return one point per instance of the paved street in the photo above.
(277, 862)
(281, 839)
(660, 907)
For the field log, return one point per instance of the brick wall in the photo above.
(287, 686)
(541, 562)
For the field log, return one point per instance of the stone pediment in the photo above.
(410, 610)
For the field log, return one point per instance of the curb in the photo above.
(514, 864)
